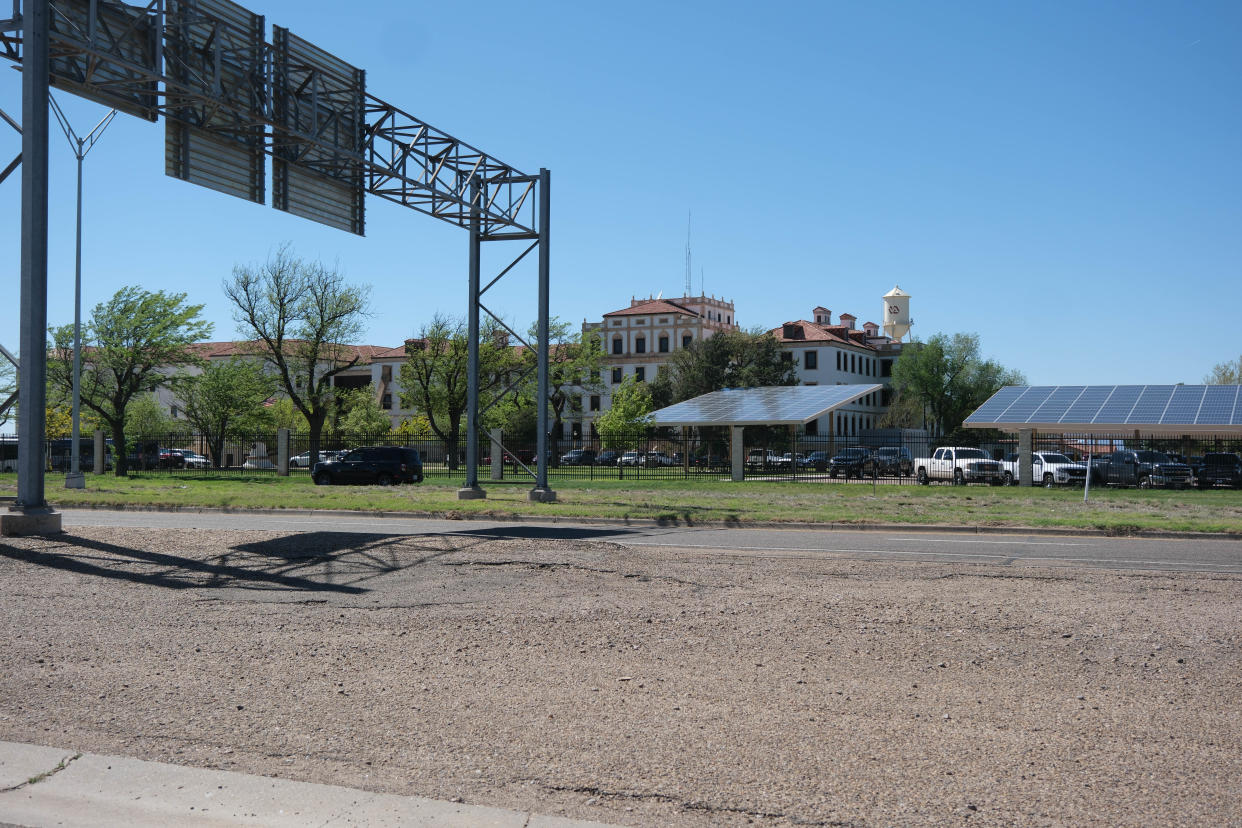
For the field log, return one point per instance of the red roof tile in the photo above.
(653, 306)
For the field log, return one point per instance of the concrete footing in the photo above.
(75, 481)
(30, 522)
(471, 493)
(542, 496)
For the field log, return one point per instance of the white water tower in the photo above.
(897, 319)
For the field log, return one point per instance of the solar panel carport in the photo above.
(1110, 410)
(771, 405)
(1114, 409)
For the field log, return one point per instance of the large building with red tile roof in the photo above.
(828, 353)
(638, 341)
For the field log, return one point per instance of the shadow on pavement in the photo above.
(546, 532)
(76, 554)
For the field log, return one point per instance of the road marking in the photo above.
(998, 542)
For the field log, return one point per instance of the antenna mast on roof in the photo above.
(689, 286)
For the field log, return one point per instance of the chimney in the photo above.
(822, 315)
(848, 320)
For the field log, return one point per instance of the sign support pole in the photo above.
(541, 493)
(30, 514)
(471, 490)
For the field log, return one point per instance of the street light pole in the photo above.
(80, 146)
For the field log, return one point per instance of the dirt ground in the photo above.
(636, 687)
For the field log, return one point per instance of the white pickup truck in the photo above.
(1048, 468)
(960, 465)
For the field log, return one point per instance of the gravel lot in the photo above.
(635, 687)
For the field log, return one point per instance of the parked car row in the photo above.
(850, 461)
(1140, 468)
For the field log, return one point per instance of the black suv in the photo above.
(1219, 469)
(854, 461)
(384, 465)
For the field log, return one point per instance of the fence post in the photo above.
(282, 452)
(497, 458)
(100, 462)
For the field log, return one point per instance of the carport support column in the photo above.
(737, 453)
(1025, 476)
(282, 452)
(471, 490)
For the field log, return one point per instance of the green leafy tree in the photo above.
(146, 418)
(1225, 373)
(359, 413)
(575, 366)
(729, 359)
(284, 414)
(433, 376)
(622, 424)
(226, 400)
(947, 377)
(300, 317)
(130, 344)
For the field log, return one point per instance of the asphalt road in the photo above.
(1188, 555)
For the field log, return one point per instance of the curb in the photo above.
(835, 526)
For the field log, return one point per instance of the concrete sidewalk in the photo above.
(44, 786)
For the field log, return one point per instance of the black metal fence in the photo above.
(881, 457)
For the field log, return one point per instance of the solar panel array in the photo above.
(781, 405)
(1194, 407)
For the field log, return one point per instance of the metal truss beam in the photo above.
(402, 158)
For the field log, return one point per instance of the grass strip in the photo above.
(1120, 511)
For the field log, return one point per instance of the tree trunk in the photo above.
(315, 424)
(452, 441)
(122, 450)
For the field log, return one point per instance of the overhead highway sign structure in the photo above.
(230, 99)
(1116, 409)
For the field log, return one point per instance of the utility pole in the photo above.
(80, 146)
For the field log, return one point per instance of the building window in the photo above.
(617, 346)
(686, 340)
(663, 345)
(616, 323)
(640, 373)
(853, 364)
(838, 360)
(386, 402)
(810, 360)
(640, 344)
(595, 402)
(594, 375)
(616, 376)
(173, 412)
(886, 367)
(786, 356)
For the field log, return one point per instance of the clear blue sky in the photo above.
(1062, 178)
